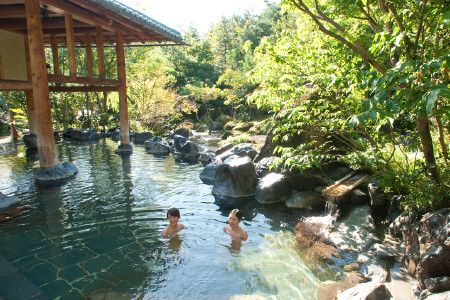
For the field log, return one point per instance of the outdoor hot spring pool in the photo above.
(100, 234)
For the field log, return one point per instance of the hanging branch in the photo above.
(355, 46)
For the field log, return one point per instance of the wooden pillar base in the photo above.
(56, 175)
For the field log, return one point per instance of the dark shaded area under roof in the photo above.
(87, 15)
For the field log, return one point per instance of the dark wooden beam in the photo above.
(82, 80)
(15, 85)
(88, 88)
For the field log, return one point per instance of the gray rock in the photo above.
(216, 125)
(30, 141)
(8, 201)
(434, 237)
(141, 137)
(358, 196)
(304, 181)
(440, 296)
(272, 188)
(362, 258)
(224, 149)
(399, 224)
(84, 135)
(366, 291)
(124, 149)
(56, 174)
(337, 172)
(374, 270)
(437, 284)
(226, 135)
(306, 199)
(203, 128)
(206, 157)
(156, 148)
(382, 252)
(378, 200)
(356, 230)
(263, 166)
(240, 150)
(182, 131)
(208, 174)
(235, 181)
(179, 141)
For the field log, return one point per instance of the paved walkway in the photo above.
(15, 286)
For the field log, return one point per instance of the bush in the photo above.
(4, 129)
(236, 140)
(426, 195)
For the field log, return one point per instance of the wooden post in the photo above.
(12, 128)
(55, 54)
(121, 75)
(45, 139)
(100, 52)
(89, 59)
(31, 111)
(70, 42)
(1, 69)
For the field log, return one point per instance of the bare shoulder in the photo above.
(165, 232)
(244, 234)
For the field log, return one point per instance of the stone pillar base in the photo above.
(56, 175)
(124, 149)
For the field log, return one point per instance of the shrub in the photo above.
(426, 195)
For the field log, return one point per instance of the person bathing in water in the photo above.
(233, 229)
(173, 215)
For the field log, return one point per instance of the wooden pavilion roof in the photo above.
(110, 15)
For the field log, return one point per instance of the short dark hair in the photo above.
(237, 213)
(173, 212)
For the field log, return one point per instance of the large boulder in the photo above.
(141, 137)
(181, 131)
(185, 149)
(206, 157)
(156, 148)
(305, 199)
(208, 174)
(366, 291)
(356, 230)
(272, 188)
(375, 270)
(240, 150)
(305, 180)
(263, 167)
(235, 181)
(84, 135)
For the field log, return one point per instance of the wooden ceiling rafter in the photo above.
(81, 15)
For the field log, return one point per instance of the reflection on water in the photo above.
(99, 235)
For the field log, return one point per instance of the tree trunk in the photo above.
(442, 139)
(427, 147)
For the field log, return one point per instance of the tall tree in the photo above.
(406, 42)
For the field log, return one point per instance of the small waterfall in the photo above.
(331, 208)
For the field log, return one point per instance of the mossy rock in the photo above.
(223, 119)
(244, 126)
(229, 125)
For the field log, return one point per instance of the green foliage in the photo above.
(424, 85)
(236, 140)
(426, 195)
